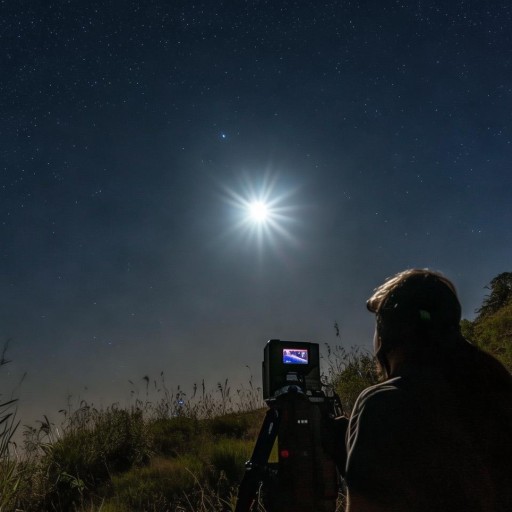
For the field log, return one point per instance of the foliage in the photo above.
(228, 457)
(349, 372)
(96, 445)
(156, 454)
(201, 403)
(492, 328)
(500, 296)
(493, 333)
(234, 425)
(10, 480)
(162, 482)
(175, 436)
(467, 329)
(10, 470)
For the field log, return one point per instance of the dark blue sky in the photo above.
(130, 129)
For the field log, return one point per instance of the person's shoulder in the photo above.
(389, 385)
(381, 394)
(381, 431)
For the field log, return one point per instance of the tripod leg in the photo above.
(256, 467)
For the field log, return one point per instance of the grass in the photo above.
(167, 451)
(162, 483)
(10, 469)
(349, 372)
(228, 457)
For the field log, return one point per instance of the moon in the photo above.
(259, 211)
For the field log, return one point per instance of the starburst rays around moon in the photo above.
(262, 213)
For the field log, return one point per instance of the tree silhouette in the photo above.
(501, 295)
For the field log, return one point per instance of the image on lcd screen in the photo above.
(295, 356)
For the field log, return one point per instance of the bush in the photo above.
(175, 436)
(493, 333)
(228, 457)
(349, 373)
(100, 444)
(233, 425)
(157, 486)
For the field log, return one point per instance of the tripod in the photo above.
(305, 478)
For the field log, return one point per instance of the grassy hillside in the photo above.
(172, 454)
(169, 454)
(165, 455)
(148, 457)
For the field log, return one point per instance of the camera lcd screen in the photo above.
(295, 356)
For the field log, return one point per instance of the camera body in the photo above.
(300, 420)
(290, 364)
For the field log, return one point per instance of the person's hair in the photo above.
(418, 311)
(418, 298)
(383, 296)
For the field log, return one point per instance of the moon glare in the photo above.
(258, 211)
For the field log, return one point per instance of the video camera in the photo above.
(301, 417)
(290, 364)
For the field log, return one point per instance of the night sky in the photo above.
(135, 134)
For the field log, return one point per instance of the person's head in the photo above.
(418, 315)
